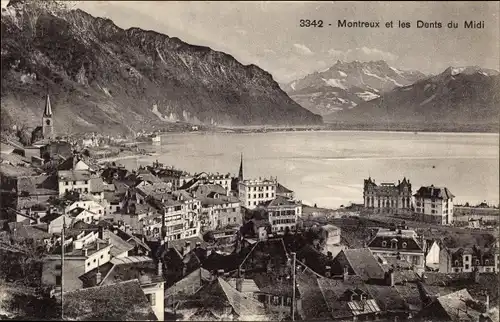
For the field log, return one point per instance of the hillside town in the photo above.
(88, 239)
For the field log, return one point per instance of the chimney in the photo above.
(98, 245)
(241, 272)
(328, 272)
(239, 284)
(187, 247)
(101, 232)
(98, 278)
(226, 274)
(220, 272)
(390, 277)
(487, 304)
(160, 268)
(346, 272)
(85, 250)
(184, 269)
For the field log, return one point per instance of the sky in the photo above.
(268, 34)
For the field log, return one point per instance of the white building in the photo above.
(219, 211)
(81, 255)
(253, 192)
(435, 205)
(283, 214)
(402, 243)
(90, 205)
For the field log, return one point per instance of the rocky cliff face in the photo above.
(348, 84)
(461, 96)
(104, 78)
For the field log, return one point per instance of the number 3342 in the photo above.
(311, 23)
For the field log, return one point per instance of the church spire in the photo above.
(240, 173)
(48, 107)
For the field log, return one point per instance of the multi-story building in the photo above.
(283, 213)
(387, 197)
(82, 254)
(180, 216)
(435, 205)
(78, 181)
(401, 243)
(177, 178)
(458, 260)
(88, 204)
(219, 210)
(215, 178)
(148, 273)
(253, 192)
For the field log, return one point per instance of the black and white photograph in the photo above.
(250, 161)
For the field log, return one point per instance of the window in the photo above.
(405, 244)
(102, 256)
(466, 257)
(58, 267)
(477, 261)
(58, 279)
(86, 182)
(74, 182)
(466, 266)
(384, 244)
(151, 299)
(486, 262)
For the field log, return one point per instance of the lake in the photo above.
(328, 167)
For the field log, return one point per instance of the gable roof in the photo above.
(455, 305)
(190, 284)
(280, 201)
(282, 189)
(314, 306)
(434, 192)
(337, 295)
(364, 263)
(219, 294)
(119, 246)
(120, 302)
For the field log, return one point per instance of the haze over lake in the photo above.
(328, 167)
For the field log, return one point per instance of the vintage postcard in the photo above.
(249, 160)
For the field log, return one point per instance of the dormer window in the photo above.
(477, 261)
(405, 245)
(384, 244)
(486, 262)
(456, 263)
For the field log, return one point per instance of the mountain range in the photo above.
(457, 96)
(374, 93)
(348, 84)
(104, 78)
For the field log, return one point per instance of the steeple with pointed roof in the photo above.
(47, 124)
(240, 173)
(48, 107)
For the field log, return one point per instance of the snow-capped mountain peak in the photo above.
(359, 82)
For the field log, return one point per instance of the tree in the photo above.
(24, 135)
(209, 237)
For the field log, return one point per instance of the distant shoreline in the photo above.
(431, 128)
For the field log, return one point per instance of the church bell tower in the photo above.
(47, 122)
